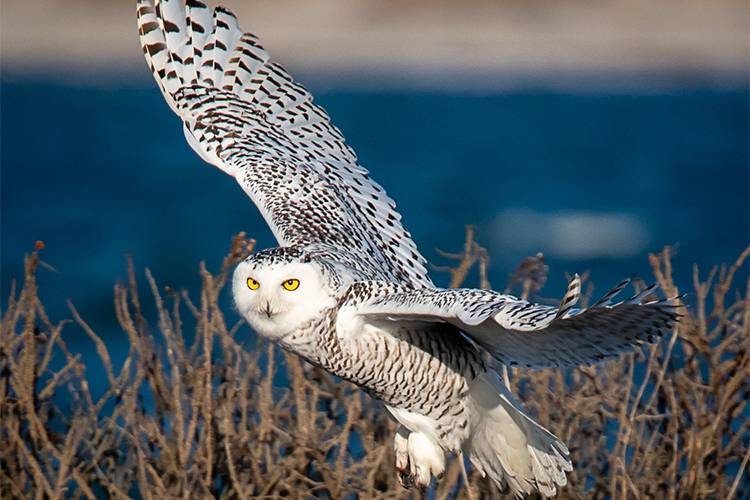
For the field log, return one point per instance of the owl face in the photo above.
(278, 294)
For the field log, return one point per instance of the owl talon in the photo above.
(403, 465)
(404, 478)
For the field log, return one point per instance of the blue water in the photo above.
(97, 171)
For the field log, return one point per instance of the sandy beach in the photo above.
(441, 42)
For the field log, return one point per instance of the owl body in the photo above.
(420, 370)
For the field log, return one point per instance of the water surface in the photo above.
(595, 181)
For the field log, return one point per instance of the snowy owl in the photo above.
(347, 289)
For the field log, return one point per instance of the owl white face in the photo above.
(277, 298)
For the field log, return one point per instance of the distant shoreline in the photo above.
(436, 81)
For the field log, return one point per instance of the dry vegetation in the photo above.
(196, 415)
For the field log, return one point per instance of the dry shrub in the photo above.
(670, 421)
(204, 417)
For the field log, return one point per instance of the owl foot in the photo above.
(403, 477)
(418, 459)
(401, 447)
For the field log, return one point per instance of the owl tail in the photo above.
(506, 444)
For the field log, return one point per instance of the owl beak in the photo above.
(268, 311)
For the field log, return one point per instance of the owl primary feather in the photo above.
(347, 289)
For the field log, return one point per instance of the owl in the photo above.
(347, 289)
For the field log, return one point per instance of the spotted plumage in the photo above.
(245, 115)
(347, 289)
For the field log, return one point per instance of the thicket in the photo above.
(194, 414)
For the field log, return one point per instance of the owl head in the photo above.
(280, 290)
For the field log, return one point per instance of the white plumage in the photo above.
(348, 290)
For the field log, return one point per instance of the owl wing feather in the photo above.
(519, 333)
(245, 115)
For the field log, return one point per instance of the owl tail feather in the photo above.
(506, 444)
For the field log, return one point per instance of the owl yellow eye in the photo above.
(291, 284)
(252, 284)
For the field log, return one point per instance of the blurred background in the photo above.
(593, 131)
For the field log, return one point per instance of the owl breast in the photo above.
(415, 368)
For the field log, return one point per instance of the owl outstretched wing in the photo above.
(519, 333)
(244, 114)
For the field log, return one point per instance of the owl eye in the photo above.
(290, 285)
(252, 284)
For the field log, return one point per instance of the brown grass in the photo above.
(196, 415)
